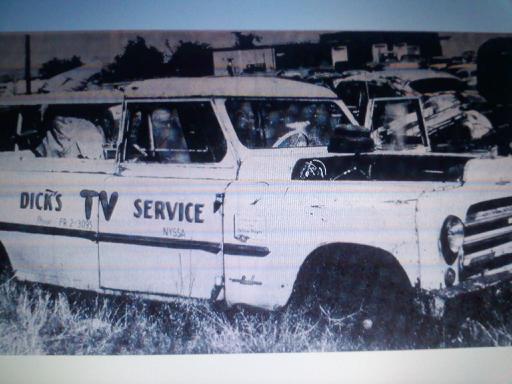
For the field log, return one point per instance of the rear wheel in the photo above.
(6, 271)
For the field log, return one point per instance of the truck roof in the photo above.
(180, 87)
(225, 86)
(80, 97)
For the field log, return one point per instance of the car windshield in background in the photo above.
(284, 123)
(436, 85)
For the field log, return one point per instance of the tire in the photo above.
(6, 271)
(354, 296)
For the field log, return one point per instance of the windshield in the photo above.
(289, 123)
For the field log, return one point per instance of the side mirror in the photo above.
(351, 139)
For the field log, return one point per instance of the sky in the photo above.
(439, 15)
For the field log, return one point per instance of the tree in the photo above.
(138, 61)
(246, 41)
(191, 59)
(55, 66)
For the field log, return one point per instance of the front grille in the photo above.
(488, 238)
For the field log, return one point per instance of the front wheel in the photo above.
(359, 299)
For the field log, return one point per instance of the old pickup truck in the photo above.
(261, 192)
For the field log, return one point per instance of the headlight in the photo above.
(452, 238)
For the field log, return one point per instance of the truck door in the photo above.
(164, 231)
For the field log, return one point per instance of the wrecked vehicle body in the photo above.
(445, 106)
(223, 189)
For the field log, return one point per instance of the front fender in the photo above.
(293, 219)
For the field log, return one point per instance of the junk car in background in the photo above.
(448, 109)
(252, 191)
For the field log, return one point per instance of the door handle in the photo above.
(219, 200)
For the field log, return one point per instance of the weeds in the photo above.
(37, 320)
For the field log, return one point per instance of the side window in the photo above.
(284, 123)
(30, 132)
(179, 132)
(9, 122)
(87, 131)
(21, 127)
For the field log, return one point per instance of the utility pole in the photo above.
(27, 65)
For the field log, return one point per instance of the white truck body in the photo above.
(238, 228)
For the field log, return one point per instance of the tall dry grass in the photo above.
(40, 320)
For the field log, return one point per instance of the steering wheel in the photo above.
(283, 141)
